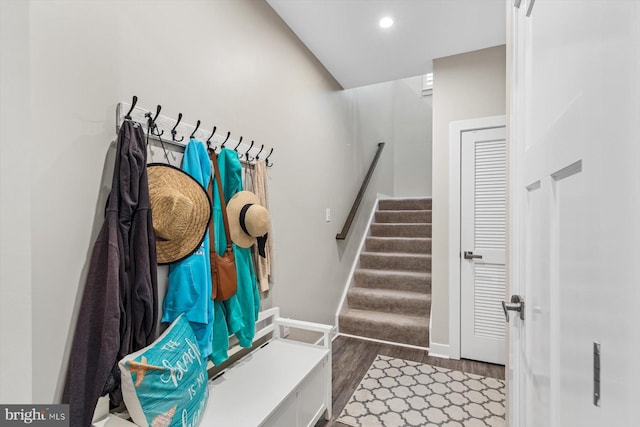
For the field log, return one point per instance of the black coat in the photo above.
(119, 309)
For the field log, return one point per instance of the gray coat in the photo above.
(119, 308)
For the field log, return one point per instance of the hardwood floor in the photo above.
(352, 357)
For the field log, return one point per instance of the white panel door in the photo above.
(575, 194)
(482, 242)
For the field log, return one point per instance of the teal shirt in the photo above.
(238, 314)
(189, 289)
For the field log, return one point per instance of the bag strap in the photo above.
(211, 228)
(213, 259)
(223, 204)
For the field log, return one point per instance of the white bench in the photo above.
(281, 383)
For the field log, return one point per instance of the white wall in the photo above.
(398, 110)
(230, 63)
(412, 135)
(318, 265)
(15, 205)
(465, 86)
(395, 113)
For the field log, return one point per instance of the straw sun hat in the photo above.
(248, 220)
(181, 211)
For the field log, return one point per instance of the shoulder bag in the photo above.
(224, 279)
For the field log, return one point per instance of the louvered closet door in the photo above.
(483, 234)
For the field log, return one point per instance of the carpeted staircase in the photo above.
(390, 296)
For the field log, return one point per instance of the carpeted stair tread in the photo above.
(400, 230)
(403, 216)
(398, 244)
(404, 204)
(398, 328)
(390, 301)
(395, 261)
(389, 279)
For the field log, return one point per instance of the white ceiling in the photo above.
(345, 37)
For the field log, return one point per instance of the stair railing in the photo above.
(363, 188)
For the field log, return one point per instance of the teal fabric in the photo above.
(238, 314)
(168, 385)
(189, 289)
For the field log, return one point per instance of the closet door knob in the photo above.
(470, 255)
(516, 304)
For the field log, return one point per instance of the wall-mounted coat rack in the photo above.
(177, 133)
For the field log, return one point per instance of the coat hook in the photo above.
(226, 139)
(211, 136)
(173, 131)
(195, 130)
(258, 155)
(266, 160)
(158, 108)
(133, 105)
(152, 121)
(209, 145)
(246, 154)
(236, 147)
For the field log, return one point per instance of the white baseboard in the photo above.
(356, 261)
(439, 350)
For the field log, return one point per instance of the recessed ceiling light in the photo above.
(386, 22)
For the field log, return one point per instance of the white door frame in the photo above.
(456, 128)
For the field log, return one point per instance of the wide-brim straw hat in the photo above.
(248, 220)
(181, 211)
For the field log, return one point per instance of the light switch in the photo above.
(327, 215)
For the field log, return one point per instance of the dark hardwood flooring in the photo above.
(352, 357)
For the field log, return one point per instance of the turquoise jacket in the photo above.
(238, 314)
(189, 288)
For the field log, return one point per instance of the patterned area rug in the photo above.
(400, 393)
